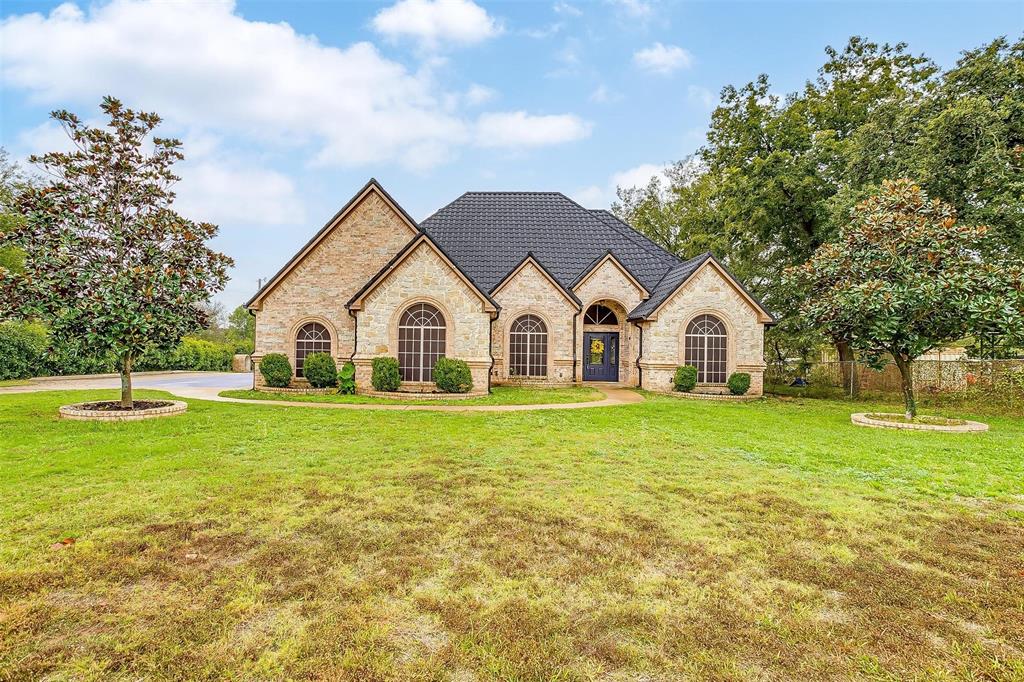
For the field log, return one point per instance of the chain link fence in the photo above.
(930, 376)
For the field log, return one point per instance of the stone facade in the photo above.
(530, 291)
(320, 284)
(708, 291)
(424, 277)
(609, 285)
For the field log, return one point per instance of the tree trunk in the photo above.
(126, 383)
(846, 366)
(906, 384)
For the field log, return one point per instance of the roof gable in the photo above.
(528, 261)
(614, 262)
(372, 186)
(423, 239)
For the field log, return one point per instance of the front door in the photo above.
(601, 356)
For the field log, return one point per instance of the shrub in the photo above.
(686, 378)
(22, 350)
(453, 376)
(194, 354)
(738, 383)
(347, 379)
(320, 370)
(385, 376)
(276, 370)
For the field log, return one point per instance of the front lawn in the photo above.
(499, 395)
(664, 540)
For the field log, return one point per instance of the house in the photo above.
(524, 286)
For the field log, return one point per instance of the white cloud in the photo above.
(250, 80)
(219, 191)
(602, 95)
(662, 59)
(437, 23)
(543, 33)
(700, 96)
(638, 9)
(596, 196)
(517, 129)
(566, 9)
(479, 94)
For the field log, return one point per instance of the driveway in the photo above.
(179, 383)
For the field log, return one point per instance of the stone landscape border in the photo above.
(727, 397)
(862, 419)
(299, 390)
(79, 412)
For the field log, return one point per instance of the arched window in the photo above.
(421, 339)
(313, 337)
(600, 314)
(706, 348)
(528, 347)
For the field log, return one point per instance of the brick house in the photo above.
(525, 287)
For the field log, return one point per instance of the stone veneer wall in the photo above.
(319, 286)
(706, 292)
(530, 292)
(423, 277)
(608, 283)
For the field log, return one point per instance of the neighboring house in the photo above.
(524, 286)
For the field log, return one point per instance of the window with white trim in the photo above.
(600, 314)
(421, 341)
(528, 347)
(706, 349)
(313, 337)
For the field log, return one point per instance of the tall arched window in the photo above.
(706, 348)
(600, 314)
(528, 347)
(421, 340)
(313, 337)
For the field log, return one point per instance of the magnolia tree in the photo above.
(108, 264)
(904, 277)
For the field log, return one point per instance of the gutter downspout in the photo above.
(490, 351)
(640, 355)
(355, 336)
(575, 317)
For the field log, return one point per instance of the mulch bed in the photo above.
(115, 405)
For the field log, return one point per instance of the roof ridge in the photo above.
(618, 224)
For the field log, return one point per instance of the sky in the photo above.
(286, 109)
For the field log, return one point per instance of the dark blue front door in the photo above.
(601, 356)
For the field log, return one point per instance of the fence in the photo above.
(930, 376)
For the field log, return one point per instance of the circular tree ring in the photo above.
(955, 425)
(103, 411)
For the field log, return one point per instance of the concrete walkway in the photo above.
(207, 386)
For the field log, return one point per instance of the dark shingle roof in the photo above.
(489, 233)
(668, 284)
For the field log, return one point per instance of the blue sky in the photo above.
(287, 108)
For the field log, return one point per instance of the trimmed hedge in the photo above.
(738, 383)
(193, 354)
(320, 370)
(453, 376)
(276, 370)
(685, 379)
(385, 376)
(22, 350)
(347, 379)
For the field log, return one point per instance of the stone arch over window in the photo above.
(528, 347)
(707, 348)
(312, 337)
(422, 335)
(598, 313)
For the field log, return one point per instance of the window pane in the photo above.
(706, 349)
(421, 341)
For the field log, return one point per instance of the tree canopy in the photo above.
(108, 264)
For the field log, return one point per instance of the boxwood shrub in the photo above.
(453, 376)
(685, 379)
(347, 379)
(320, 370)
(738, 383)
(22, 350)
(276, 370)
(385, 376)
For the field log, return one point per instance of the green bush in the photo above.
(194, 354)
(685, 379)
(320, 370)
(347, 379)
(738, 383)
(453, 376)
(385, 376)
(276, 370)
(22, 350)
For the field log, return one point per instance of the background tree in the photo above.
(108, 263)
(904, 277)
(12, 181)
(242, 329)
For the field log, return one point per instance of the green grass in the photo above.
(500, 395)
(13, 382)
(670, 539)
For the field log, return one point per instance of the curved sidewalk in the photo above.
(612, 396)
